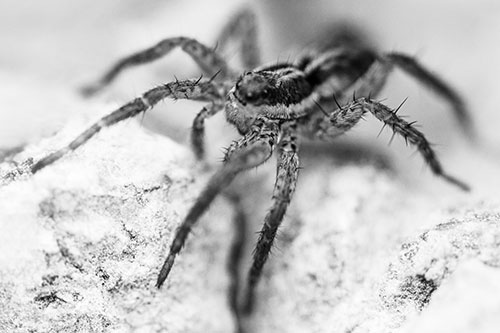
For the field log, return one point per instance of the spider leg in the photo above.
(198, 128)
(209, 61)
(286, 179)
(240, 222)
(371, 83)
(342, 119)
(188, 89)
(250, 151)
(327, 128)
(243, 28)
(441, 88)
(409, 133)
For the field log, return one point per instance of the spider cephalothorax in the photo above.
(322, 94)
(268, 92)
(273, 87)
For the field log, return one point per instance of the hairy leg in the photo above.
(440, 87)
(250, 151)
(188, 89)
(198, 128)
(286, 179)
(209, 61)
(375, 77)
(243, 29)
(409, 133)
(327, 125)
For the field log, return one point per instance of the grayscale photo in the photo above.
(266, 166)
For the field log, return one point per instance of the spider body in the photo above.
(267, 93)
(291, 90)
(321, 95)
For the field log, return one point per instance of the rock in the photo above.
(467, 301)
(359, 250)
(82, 241)
(353, 263)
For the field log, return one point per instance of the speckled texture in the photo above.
(82, 242)
(83, 239)
(357, 254)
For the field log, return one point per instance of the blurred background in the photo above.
(49, 49)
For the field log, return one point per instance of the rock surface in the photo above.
(82, 242)
(364, 256)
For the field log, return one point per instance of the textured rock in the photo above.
(465, 302)
(357, 254)
(82, 241)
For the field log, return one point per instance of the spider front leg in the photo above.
(286, 179)
(204, 90)
(210, 62)
(409, 133)
(250, 151)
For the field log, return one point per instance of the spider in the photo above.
(272, 107)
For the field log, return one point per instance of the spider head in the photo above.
(248, 98)
(254, 88)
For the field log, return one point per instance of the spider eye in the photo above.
(251, 96)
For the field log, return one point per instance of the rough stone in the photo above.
(82, 241)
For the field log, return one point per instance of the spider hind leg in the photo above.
(238, 244)
(412, 67)
(209, 61)
(243, 29)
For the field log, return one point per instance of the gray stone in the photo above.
(82, 241)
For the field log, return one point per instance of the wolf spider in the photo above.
(272, 106)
